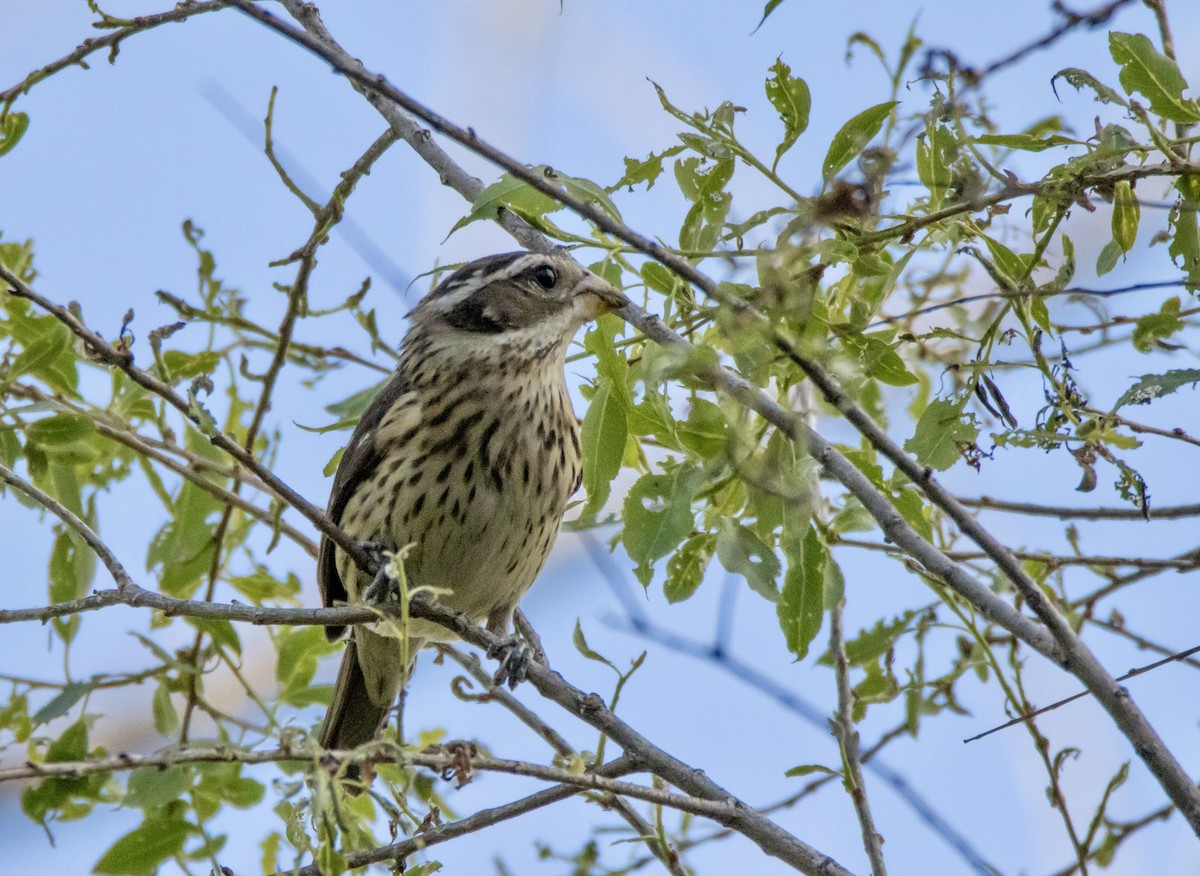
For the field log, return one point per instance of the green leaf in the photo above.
(140, 851)
(853, 136)
(809, 768)
(1152, 386)
(166, 719)
(869, 645)
(767, 10)
(937, 151)
(581, 645)
(180, 365)
(943, 426)
(744, 553)
(352, 407)
(1154, 327)
(1024, 142)
(703, 432)
(60, 429)
(12, 129)
(879, 360)
(149, 789)
(801, 606)
(296, 664)
(514, 194)
(645, 171)
(603, 435)
(1013, 267)
(791, 98)
(658, 514)
(1108, 258)
(62, 701)
(1125, 215)
(1185, 231)
(1080, 79)
(685, 567)
(1152, 74)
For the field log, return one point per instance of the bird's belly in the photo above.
(483, 554)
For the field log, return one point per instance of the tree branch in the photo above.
(848, 741)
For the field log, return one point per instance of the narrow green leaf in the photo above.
(853, 136)
(603, 435)
(801, 606)
(166, 719)
(809, 768)
(581, 645)
(771, 6)
(513, 194)
(791, 98)
(1152, 74)
(62, 702)
(1024, 142)
(1125, 215)
(1108, 258)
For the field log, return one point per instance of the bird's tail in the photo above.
(371, 675)
(353, 717)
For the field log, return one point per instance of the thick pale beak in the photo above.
(607, 297)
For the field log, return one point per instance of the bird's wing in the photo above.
(359, 459)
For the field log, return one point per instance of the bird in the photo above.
(466, 458)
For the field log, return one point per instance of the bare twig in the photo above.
(111, 41)
(848, 741)
(79, 527)
(1062, 512)
(484, 818)
(641, 828)
(1052, 560)
(1174, 658)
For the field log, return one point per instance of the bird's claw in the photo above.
(515, 656)
(382, 588)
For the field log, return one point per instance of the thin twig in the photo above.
(397, 852)
(641, 828)
(847, 736)
(111, 41)
(1174, 658)
(1063, 512)
(1052, 560)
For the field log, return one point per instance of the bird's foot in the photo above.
(382, 588)
(515, 656)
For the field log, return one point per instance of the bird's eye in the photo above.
(545, 276)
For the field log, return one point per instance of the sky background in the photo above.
(117, 157)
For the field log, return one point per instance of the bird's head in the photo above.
(515, 300)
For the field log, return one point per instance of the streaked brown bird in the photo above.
(469, 454)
